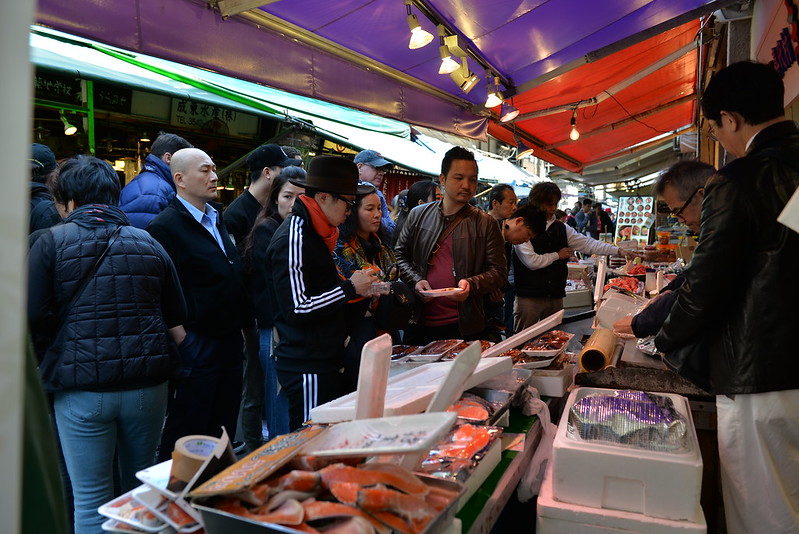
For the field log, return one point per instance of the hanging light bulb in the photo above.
(508, 112)
(574, 135)
(419, 36)
(69, 129)
(493, 98)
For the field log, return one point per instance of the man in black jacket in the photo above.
(736, 299)
(43, 210)
(190, 228)
(308, 294)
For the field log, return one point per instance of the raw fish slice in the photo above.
(469, 409)
(315, 510)
(351, 525)
(231, 506)
(346, 492)
(290, 512)
(305, 481)
(439, 498)
(393, 521)
(283, 496)
(305, 527)
(402, 480)
(411, 508)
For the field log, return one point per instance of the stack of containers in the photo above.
(597, 486)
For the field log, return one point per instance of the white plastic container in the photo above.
(555, 517)
(553, 383)
(661, 484)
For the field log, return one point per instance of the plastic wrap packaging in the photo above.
(456, 456)
(633, 418)
(598, 351)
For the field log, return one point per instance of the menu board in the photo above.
(634, 218)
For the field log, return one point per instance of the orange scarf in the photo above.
(326, 231)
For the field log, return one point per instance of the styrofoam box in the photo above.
(555, 517)
(553, 383)
(664, 484)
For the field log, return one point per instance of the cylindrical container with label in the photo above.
(598, 351)
(189, 455)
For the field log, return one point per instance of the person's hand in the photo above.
(565, 253)
(460, 296)
(624, 325)
(422, 285)
(496, 296)
(362, 281)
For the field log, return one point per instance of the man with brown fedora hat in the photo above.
(307, 293)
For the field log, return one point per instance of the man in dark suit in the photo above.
(208, 390)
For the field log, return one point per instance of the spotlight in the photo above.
(493, 98)
(144, 138)
(69, 129)
(507, 112)
(448, 65)
(419, 36)
(464, 77)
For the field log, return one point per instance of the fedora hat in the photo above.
(333, 174)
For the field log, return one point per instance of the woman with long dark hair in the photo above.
(277, 208)
(419, 193)
(359, 247)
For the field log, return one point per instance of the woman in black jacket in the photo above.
(107, 299)
(278, 207)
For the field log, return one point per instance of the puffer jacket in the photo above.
(115, 335)
(149, 193)
(477, 248)
(737, 291)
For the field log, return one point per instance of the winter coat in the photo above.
(149, 193)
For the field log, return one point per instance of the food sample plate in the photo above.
(434, 351)
(444, 291)
(537, 363)
(131, 512)
(548, 344)
(401, 434)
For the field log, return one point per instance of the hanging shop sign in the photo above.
(57, 88)
(775, 36)
(211, 118)
(112, 98)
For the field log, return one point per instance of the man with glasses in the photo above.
(450, 244)
(739, 299)
(682, 187)
(307, 293)
(372, 168)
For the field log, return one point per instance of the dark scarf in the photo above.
(94, 215)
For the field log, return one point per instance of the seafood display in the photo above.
(434, 351)
(624, 282)
(370, 498)
(456, 456)
(554, 340)
(400, 351)
(126, 509)
(473, 408)
(456, 350)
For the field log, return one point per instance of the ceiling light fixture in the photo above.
(522, 150)
(493, 98)
(448, 65)
(419, 36)
(69, 129)
(144, 138)
(574, 135)
(507, 112)
(464, 77)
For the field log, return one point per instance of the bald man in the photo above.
(190, 228)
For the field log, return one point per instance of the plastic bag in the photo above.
(530, 483)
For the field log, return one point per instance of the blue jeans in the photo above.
(276, 404)
(91, 426)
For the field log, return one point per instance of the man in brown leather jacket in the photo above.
(737, 298)
(451, 244)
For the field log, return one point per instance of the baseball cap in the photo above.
(373, 158)
(42, 159)
(270, 155)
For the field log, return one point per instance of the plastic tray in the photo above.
(434, 351)
(113, 508)
(386, 435)
(157, 503)
(443, 292)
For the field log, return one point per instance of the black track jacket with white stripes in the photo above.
(308, 297)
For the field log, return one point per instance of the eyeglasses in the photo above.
(678, 213)
(348, 202)
(711, 132)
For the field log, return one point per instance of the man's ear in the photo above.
(731, 120)
(178, 179)
(167, 158)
